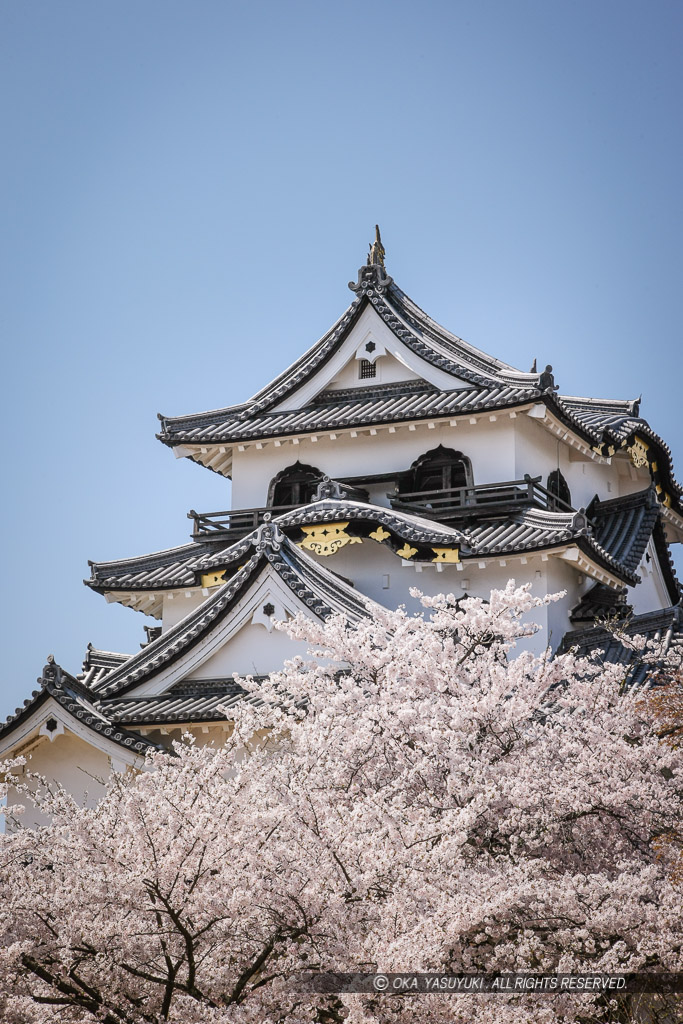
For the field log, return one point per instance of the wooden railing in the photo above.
(453, 502)
(442, 505)
(236, 523)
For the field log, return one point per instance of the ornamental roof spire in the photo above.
(377, 251)
(373, 275)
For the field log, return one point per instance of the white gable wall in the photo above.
(369, 327)
(251, 651)
(214, 655)
(388, 370)
(651, 593)
(70, 762)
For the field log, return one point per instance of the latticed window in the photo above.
(367, 369)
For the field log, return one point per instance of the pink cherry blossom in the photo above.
(421, 795)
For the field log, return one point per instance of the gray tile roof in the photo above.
(160, 570)
(490, 384)
(412, 327)
(538, 529)
(97, 665)
(492, 381)
(322, 591)
(617, 424)
(186, 702)
(597, 415)
(357, 407)
(599, 603)
(664, 626)
(525, 531)
(83, 707)
(623, 526)
(468, 359)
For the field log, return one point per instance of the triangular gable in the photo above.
(60, 706)
(276, 573)
(414, 338)
(241, 641)
(370, 338)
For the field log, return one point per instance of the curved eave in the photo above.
(177, 706)
(581, 555)
(608, 442)
(476, 360)
(391, 412)
(290, 379)
(410, 325)
(78, 708)
(613, 434)
(403, 410)
(172, 644)
(317, 588)
(664, 626)
(150, 570)
(525, 533)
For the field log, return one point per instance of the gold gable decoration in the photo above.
(326, 538)
(406, 551)
(379, 534)
(451, 555)
(638, 452)
(605, 450)
(213, 579)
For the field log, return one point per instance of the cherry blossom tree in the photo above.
(423, 794)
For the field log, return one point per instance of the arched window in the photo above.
(294, 485)
(559, 488)
(441, 469)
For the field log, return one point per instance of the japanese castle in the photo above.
(391, 455)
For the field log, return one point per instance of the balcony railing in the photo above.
(236, 524)
(456, 502)
(442, 505)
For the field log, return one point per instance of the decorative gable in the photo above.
(395, 361)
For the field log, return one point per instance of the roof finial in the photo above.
(377, 251)
(372, 277)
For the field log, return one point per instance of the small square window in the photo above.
(367, 369)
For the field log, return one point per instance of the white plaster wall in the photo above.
(651, 593)
(500, 448)
(538, 452)
(70, 762)
(389, 370)
(489, 445)
(631, 478)
(369, 568)
(178, 605)
(588, 478)
(251, 651)
(561, 575)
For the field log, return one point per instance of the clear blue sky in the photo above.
(187, 188)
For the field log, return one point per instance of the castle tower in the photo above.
(391, 455)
